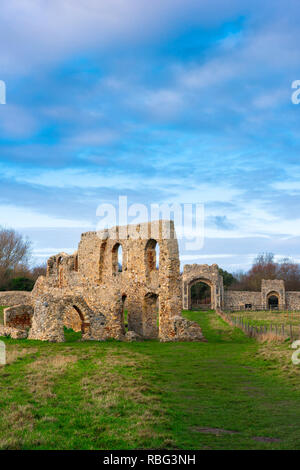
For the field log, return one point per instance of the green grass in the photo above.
(151, 395)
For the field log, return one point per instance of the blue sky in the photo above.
(162, 101)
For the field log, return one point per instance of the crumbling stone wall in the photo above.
(11, 298)
(209, 275)
(14, 333)
(292, 300)
(91, 283)
(19, 316)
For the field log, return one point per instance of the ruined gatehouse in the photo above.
(114, 273)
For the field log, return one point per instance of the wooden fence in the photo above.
(282, 330)
(258, 308)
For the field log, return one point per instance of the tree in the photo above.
(228, 278)
(38, 271)
(21, 283)
(289, 271)
(265, 267)
(14, 251)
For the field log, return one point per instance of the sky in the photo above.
(183, 101)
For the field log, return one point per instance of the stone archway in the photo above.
(275, 288)
(78, 305)
(194, 273)
(49, 317)
(206, 300)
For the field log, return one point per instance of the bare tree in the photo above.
(14, 251)
(38, 271)
(265, 267)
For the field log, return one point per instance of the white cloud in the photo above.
(22, 217)
(43, 31)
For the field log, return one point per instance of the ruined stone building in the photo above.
(272, 294)
(119, 285)
(114, 272)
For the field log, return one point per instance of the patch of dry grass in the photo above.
(14, 353)
(42, 373)
(17, 422)
(270, 337)
(279, 352)
(116, 386)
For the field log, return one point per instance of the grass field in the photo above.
(228, 393)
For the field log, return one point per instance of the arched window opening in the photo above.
(201, 296)
(157, 255)
(117, 258)
(151, 256)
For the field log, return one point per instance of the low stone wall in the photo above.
(292, 300)
(11, 298)
(19, 316)
(14, 333)
(187, 330)
(241, 298)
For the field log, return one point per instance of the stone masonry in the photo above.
(11, 298)
(228, 299)
(194, 273)
(88, 290)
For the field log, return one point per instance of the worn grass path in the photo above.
(223, 394)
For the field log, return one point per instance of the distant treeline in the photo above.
(16, 272)
(265, 267)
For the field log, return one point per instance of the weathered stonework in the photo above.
(273, 288)
(19, 316)
(194, 273)
(239, 299)
(292, 300)
(228, 299)
(269, 288)
(14, 333)
(90, 283)
(11, 298)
